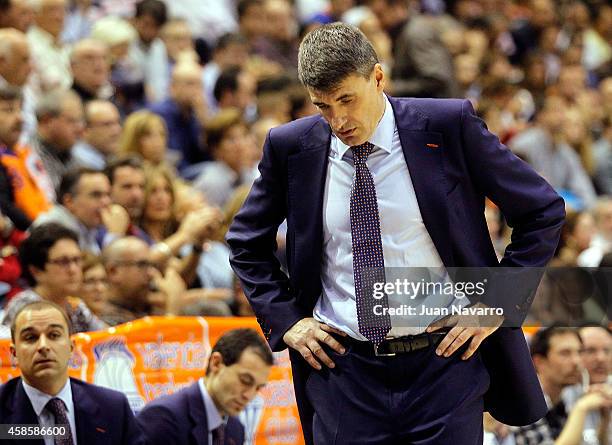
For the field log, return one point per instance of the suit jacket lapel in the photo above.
(307, 172)
(22, 412)
(423, 153)
(85, 414)
(197, 414)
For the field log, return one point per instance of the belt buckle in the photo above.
(382, 354)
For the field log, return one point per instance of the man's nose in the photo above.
(338, 121)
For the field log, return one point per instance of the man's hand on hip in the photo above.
(465, 327)
(306, 337)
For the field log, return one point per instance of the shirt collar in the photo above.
(383, 133)
(40, 399)
(212, 413)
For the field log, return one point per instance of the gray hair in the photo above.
(332, 52)
(52, 104)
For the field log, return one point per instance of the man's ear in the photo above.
(215, 362)
(379, 77)
(13, 351)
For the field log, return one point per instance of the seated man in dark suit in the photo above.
(204, 413)
(44, 395)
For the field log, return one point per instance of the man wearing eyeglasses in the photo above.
(132, 278)
(51, 261)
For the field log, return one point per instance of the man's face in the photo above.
(354, 109)
(21, 15)
(42, 346)
(17, 66)
(51, 16)
(563, 364)
(128, 190)
(62, 275)
(66, 128)
(131, 273)
(597, 353)
(147, 28)
(245, 95)
(186, 87)
(103, 128)
(252, 23)
(177, 38)
(91, 68)
(10, 121)
(233, 387)
(233, 147)
(91, 197)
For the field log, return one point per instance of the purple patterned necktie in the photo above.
(218, 435)
(57, 407)
(368, 261)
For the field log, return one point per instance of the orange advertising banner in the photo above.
(154, 356)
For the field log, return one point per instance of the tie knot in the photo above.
(361, 152)
(56, 406)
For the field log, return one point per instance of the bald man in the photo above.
(130, 273)
(90, 64)
(51, 56)
(185, 113)
(101, 134)
(15, 69)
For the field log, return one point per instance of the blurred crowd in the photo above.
(130, 133)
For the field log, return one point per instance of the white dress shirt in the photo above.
(405, 240)
(46, 418)
(213, 417)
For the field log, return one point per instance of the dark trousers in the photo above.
(409, 399)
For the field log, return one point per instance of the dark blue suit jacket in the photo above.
(180, 419)
(102, 416)
(454, 163)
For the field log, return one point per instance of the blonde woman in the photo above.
(144, 133)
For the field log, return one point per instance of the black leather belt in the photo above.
(393, 346)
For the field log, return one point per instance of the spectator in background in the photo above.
(25, 188)
(542, 146)
(80, 20)
(235, 88)
(576, 236)
(185, 113)
(127, 179)
(178, 39)
(16, 14)
(51, 261)
(60, 124)
(90, 65)
(145, 135)
(101, 135)
(238, 368)
(132, 278)
(84, 206)
(231, 50)
(45, 395)
(148, 51)
(127, 77)
(273, 99)
(597, 359)
(556, 356)
(602, 241)
(279, 44)
(227, 139)
(15, 69)
(10, 268)
(423, 65)
(95, 287)
(49, 54)
(251, 19)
